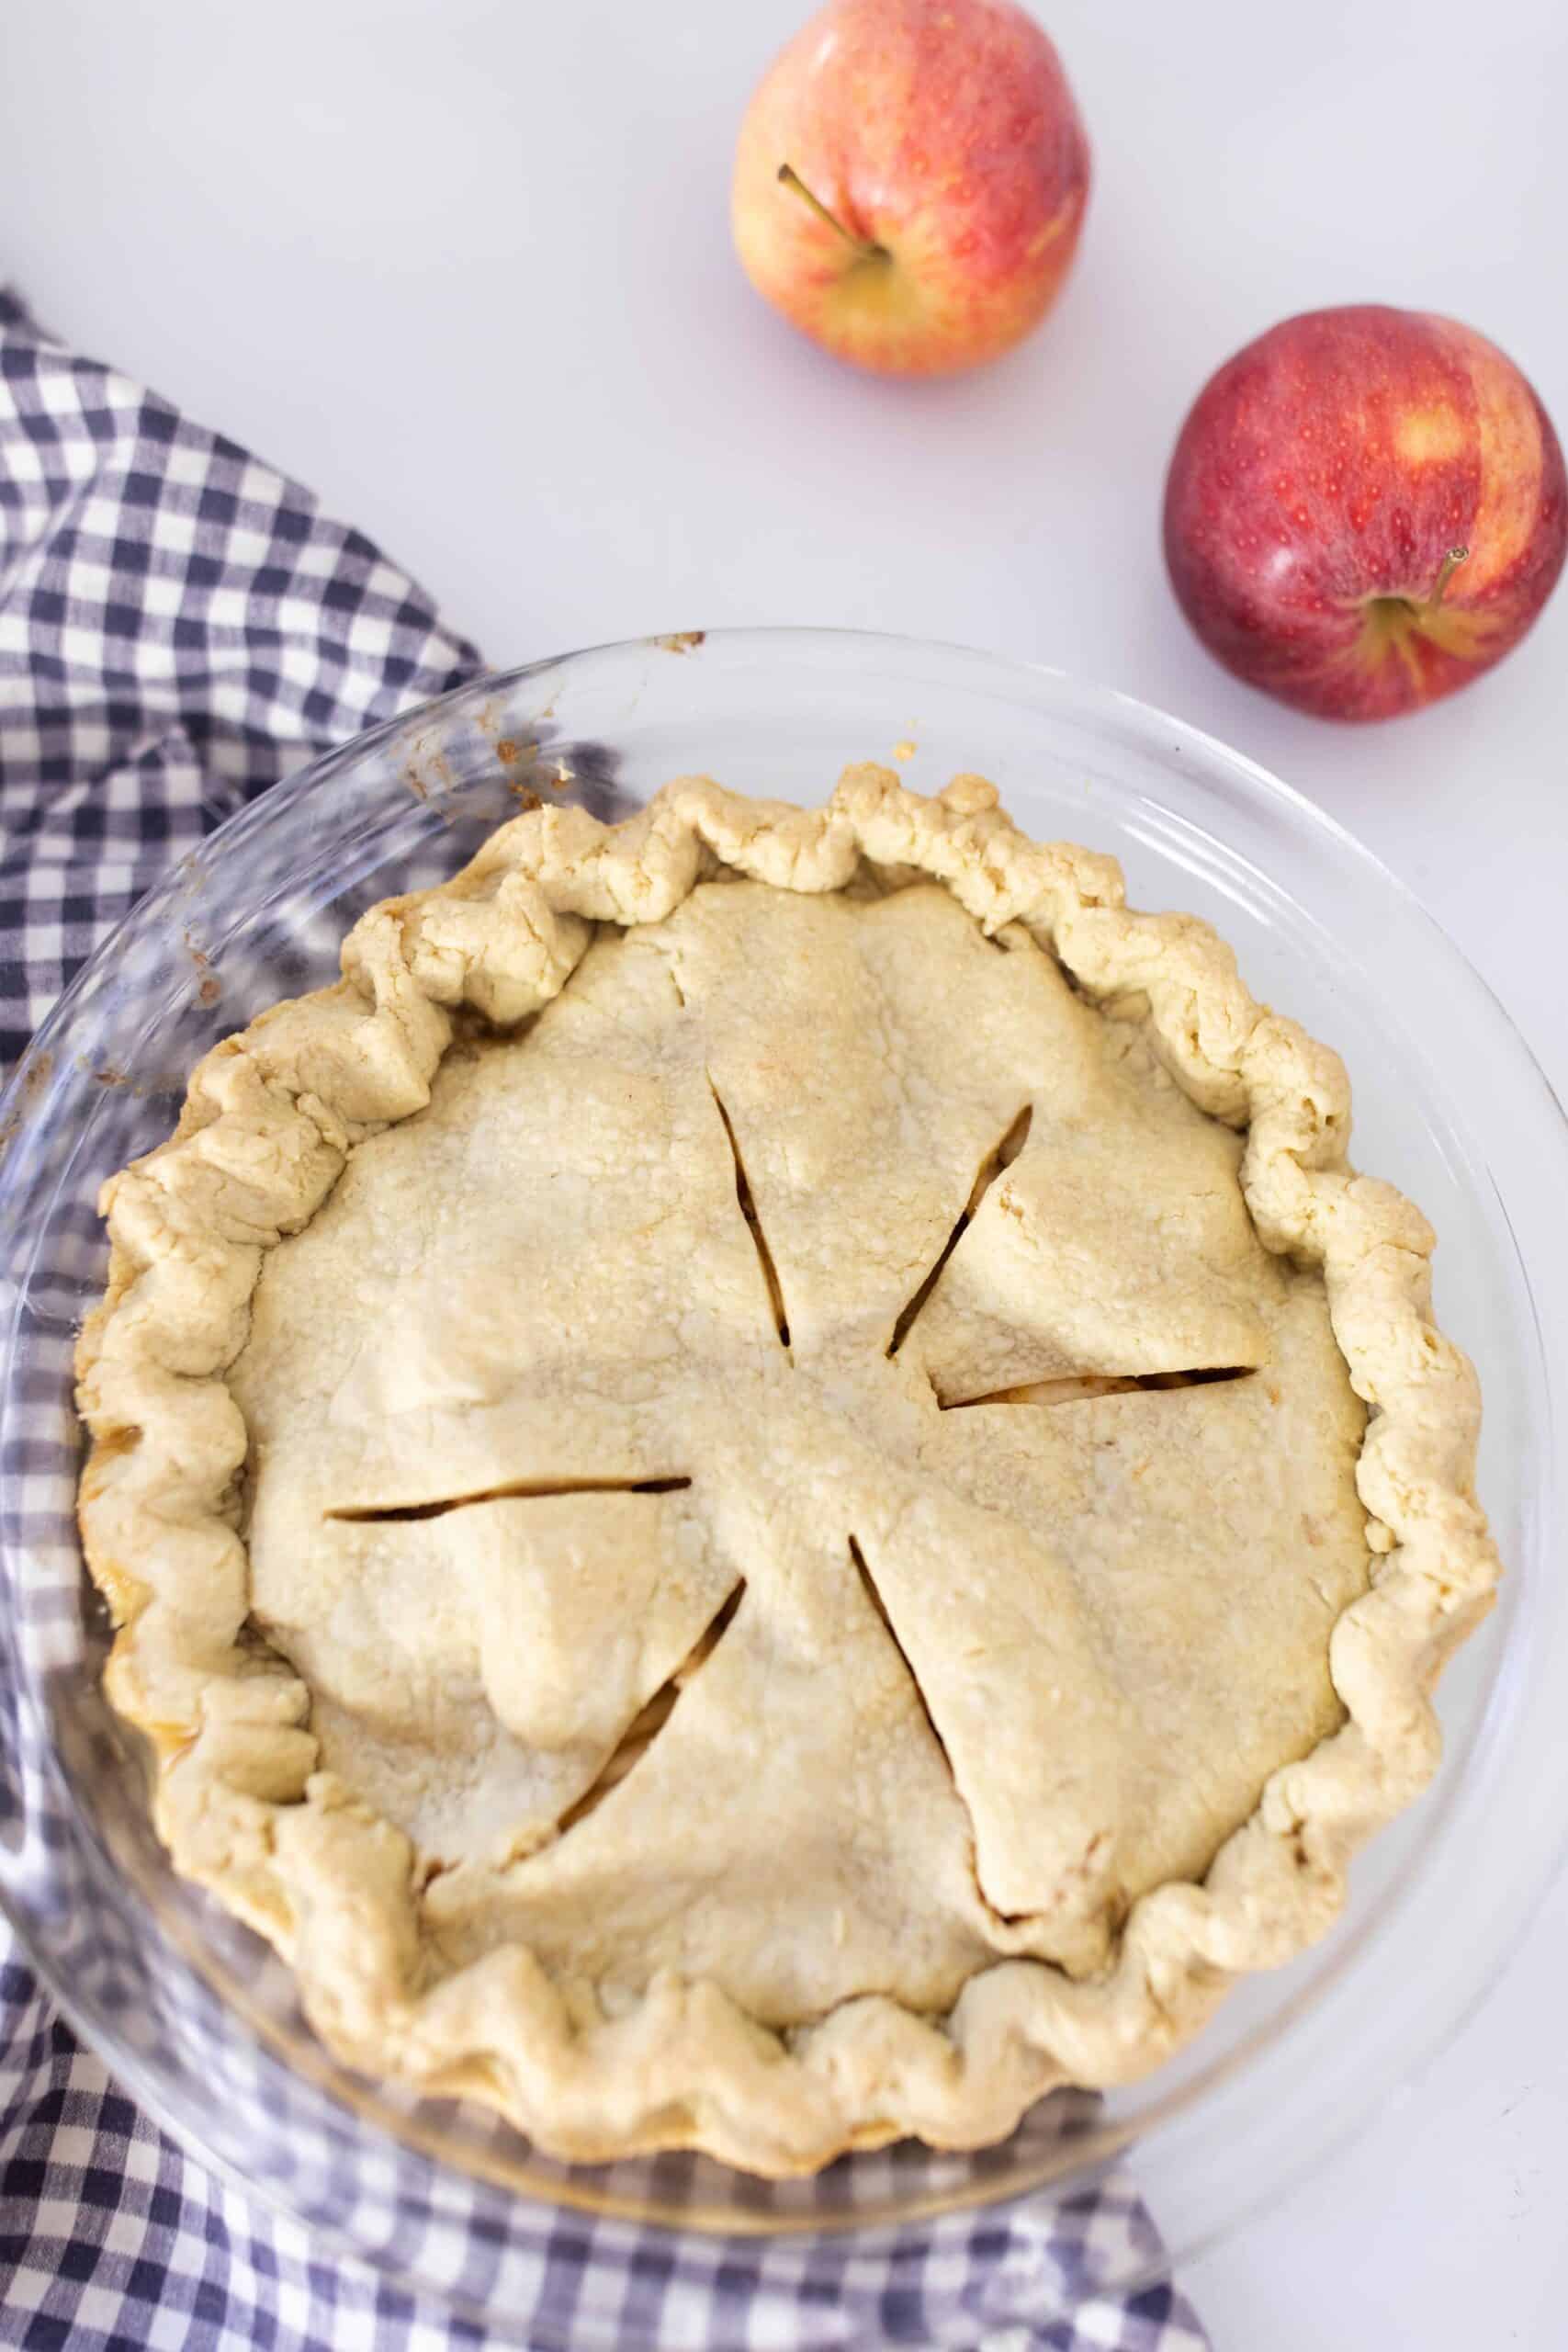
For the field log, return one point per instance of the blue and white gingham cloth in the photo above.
(180, 626)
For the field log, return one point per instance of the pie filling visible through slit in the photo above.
(811, 1559)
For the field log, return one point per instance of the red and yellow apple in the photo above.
(910, 180)
(1366, 509)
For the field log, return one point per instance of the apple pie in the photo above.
(769, 1486)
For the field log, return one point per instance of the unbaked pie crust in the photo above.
(770, 1486)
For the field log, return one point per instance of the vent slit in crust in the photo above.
(753, 1222)
(515, 1490)
(1075, 1387)
(873, 1594)
(646, 1726)
(990, 1168)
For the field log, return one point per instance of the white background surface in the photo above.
(463, 266)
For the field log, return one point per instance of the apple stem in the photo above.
(1446, 569)
(863, 247)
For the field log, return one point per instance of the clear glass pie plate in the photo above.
(198, 2018)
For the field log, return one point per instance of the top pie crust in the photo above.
(797, 1539)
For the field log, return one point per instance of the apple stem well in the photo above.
(1395, 624)
(865, 248)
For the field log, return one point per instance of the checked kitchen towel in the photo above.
(180, 626)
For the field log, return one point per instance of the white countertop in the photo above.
(463, 267)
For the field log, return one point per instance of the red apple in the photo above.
(910, 180)
(1366, 509)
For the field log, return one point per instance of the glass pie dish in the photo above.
(201, 2020)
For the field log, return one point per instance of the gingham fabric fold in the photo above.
(179, 626)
